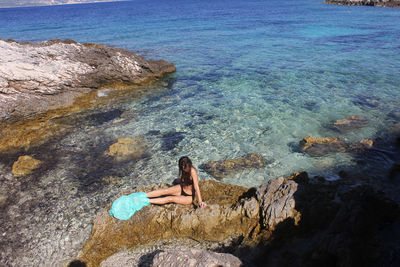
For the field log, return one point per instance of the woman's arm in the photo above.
(195, 178)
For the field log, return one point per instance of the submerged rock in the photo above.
(35, 77)
(350, 123)
(127, 149)
(317, 147)
(362, 145)
(25, 165)
(220, 169)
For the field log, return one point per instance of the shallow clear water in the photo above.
(252, 77)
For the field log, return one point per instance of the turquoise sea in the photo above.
(252, 77)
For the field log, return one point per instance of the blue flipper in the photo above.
(125, 206)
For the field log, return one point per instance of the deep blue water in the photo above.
(252, 76)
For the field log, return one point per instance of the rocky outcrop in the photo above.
(173, 257)
(277, 201)
(25, 165)
(317, 147)
(127, 149)
(35, 77)
(350, 123)
(220, 169)
(294, 221)
(227, 214)
(386, 3)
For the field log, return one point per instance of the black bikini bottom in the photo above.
(183, 192)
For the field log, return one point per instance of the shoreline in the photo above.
(64, 4)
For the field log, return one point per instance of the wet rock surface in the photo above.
(222, 168)
(386, 3)
(35, 77)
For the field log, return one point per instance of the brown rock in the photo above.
(127, 149)
(226, 215)
(350, 123)
(220, 169)
(317, 147)
(363, 144)
(24, 166)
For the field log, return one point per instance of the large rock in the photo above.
(350, 123)
(386, 3)
(232, 211)
(127, 149)
(277, 201)
(173, 257)
(220, 169)
(317, 147)
(294, 221)
(35, 77)
(25, 165)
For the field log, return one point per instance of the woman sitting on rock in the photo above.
(125, 206)
(183, 193)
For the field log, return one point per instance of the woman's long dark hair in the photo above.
(183, 163)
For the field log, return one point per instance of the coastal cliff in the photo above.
(383, 3)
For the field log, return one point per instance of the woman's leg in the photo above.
(185, 200)
(171, 191)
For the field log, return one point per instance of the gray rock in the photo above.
(194, 257)
(179, 256)
(277, 201)
(37, 76)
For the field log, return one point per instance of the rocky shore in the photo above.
(36, 77)
(293, 221)
(42, 83)
(382, 3)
